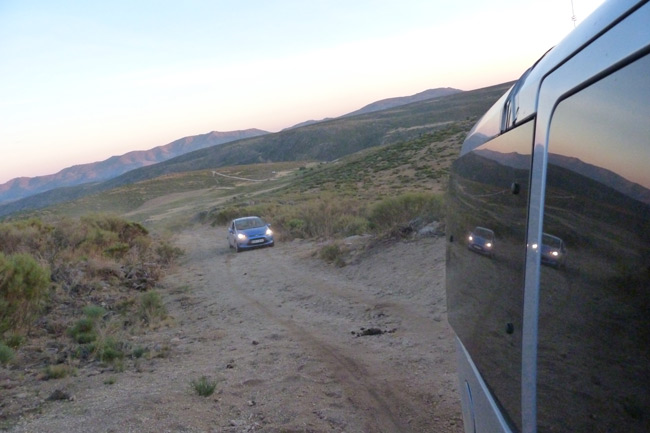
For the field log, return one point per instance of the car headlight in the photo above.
(241, 236)
(489, 245)
(471, 238)
(269, 232)
(555, 254)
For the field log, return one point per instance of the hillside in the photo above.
(116, 165)
(324, 141)
(385, 104)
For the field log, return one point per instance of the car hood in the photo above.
(257, 231)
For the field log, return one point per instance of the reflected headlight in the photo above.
(241, 236)
(534, 246)
(269, 232)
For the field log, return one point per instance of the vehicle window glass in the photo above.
(486, 226)
(594, 323)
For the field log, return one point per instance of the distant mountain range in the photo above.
(319, 141)
(385, 104)
(575, 165)
(116, 165)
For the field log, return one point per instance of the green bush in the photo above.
(23, 291)
(168, 253)
(204, 386)
(138, 352)
(351, 225)
(83, 331)
(58, 371)
(117, 250)
(94, 312)
(296, 227)
(14, 340)
(151, 307)
(391, 213)
(333, 253)
(108, 350)
(6, 353)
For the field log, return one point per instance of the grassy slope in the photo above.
(324, 141)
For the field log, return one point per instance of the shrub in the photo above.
(168, 253)
(392, 213)
(23, 290)
(14, 341)
(58, 371)
(224, 216)
(151, 307)
(354, 225)
(108, 350)
(83, 332)
(333, 253)
(296, 227)
(138, 352)
(6, 353)
(117, 250)
(204, 386)
(94, 312)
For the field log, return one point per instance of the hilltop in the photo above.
(322, 141)
(116, 165)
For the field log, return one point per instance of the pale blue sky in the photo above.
(81, 81)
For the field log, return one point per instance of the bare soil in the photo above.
(294, 345)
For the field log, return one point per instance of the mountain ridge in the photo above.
(321, 141)
(117, 165)
(114, 166)
(387, 103)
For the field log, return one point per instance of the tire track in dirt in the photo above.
(350, 374)
(385, 381)
(347, 372)
(311, 302)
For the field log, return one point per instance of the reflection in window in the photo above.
(485, 261)
(594, 328)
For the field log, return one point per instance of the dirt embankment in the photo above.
(293, 344)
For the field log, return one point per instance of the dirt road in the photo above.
(282, 334)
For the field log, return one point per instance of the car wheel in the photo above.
(237, 249)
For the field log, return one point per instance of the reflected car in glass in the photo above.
(558, 167)
(481, 240)
(249, 232)
(553, 251)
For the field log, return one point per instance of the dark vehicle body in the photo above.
(553, 251)
(249, 232)
(481, 240)
(566, 151)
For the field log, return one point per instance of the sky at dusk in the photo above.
(81, 81)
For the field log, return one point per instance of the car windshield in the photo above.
(551, 241)
(249, 223)
(484, 233)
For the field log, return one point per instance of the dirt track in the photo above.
(279, 331)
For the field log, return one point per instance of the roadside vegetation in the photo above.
(80, 287)
(79, 280)
(386, 192)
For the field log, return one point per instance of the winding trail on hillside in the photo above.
(281, 334)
